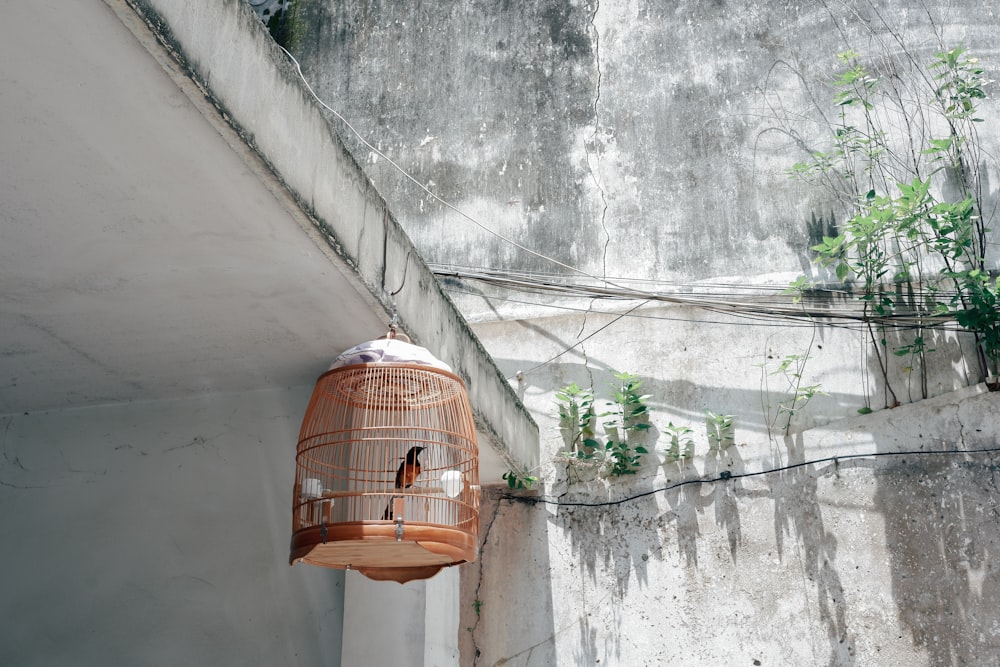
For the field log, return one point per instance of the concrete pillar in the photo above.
(387, 624)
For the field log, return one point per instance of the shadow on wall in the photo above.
(685, 402)
(941, 522)
(798, 515)
(157, 532)
(612, 544)
(793, 542)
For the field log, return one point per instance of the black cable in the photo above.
(592, 311)
(727, 476)
(755, 308)
(845, 322)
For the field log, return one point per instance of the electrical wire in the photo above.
(766, 307)
(646, 316)
(727, 477)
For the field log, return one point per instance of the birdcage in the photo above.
(387, 466)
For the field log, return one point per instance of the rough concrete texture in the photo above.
(632, 139)
(869, 542)
(651, 141)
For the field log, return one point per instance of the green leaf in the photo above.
(842, 271)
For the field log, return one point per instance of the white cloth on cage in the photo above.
(388, 351)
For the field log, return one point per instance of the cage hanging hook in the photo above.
(394, 322)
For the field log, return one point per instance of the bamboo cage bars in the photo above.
(386, 472)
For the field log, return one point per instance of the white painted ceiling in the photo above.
(143, 254)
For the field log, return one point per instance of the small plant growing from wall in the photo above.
(625, 420)
(797, 394)
(791, 370)
(681, 442)
(576, 421)
(518, 481)
(721, 430)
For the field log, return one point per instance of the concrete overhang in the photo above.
(177, 217)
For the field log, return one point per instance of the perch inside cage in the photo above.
(387, 467)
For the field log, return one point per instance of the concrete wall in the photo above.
(636, 139)
(852, 544)
(157, 534)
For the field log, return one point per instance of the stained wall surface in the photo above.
(647, 144)
(867, 542)
(629, 139)
(650, 141)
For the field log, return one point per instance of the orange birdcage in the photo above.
(387, 467)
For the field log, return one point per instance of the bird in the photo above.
(407, 473)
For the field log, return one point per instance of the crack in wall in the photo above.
(476, 600)
(594, 155)
(14, 461)
(581, 340)
(961, 427)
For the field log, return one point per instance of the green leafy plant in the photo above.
(681, 442)
(790, 368)
(720, 428)
(517, 481)
(889, 173)
(576, 418)
(627, 417)
(797, 288)
(981, 313)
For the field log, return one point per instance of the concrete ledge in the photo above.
(256, 91)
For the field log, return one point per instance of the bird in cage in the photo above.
(407, 473)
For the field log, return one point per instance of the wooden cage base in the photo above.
(372, 549)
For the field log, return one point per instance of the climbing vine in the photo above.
(892, 173)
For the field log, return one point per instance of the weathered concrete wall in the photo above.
(157, 534)
(622, 138)
(633, 140)
(806, 556)
(650, 141)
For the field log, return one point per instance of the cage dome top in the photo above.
(388, 351)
